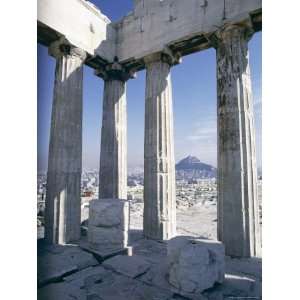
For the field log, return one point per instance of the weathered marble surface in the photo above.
(81, 22)
(61, 291)
(238, 210)
(123, 278)
(123, 287)
(243, 276)
(159, 163)
(62, 214)
(131, 266)
(81, 276)
(108, 223)
(113, 158)
(79, 285)
(98, 236)
(55, 262)
(109, 213)
(151, 25)
(195, 265)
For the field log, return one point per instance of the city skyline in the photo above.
(194, 103)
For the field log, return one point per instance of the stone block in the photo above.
(109, 213)
(195, 265)
(101, 236)
(108, 223)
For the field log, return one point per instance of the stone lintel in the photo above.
(115, 71)
(63, 47)
(167, 55)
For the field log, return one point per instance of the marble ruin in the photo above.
(159, 163)
(108, 224)
(155, 36)
(195, 265)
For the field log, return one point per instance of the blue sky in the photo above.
(194, 103)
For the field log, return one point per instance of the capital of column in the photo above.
(167, 56)
(230, 31)
(115, 71)
(62, 47)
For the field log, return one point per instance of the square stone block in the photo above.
(195, 265)
(99, 237)
(109, 213)
(108, 223)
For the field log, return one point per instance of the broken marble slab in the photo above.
(158, 276)
(79, 257)
(80, 277)
(124, 287)
(53, 265)
(240, 285)
(248, 266)
(89, 278)
(61, 291)
(233, 285)
(53, 271)
(104, 251)
(194, 264)
(131, 266)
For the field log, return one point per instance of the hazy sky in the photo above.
(194, 103)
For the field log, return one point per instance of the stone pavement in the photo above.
(68, 273)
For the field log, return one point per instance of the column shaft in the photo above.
(159, 163)
(113, 159)
(238, 215)
(63, 199)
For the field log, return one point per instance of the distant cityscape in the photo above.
(195, 184)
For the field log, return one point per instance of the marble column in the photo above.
(159, 162)
(63, 200)
(113, 158)
(238, 210)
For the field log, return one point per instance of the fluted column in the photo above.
(238, 214)
(113, 158)
(63, 198)
(159, 163)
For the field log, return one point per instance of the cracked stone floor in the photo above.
(69, 272)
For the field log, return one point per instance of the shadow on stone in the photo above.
(56, 261)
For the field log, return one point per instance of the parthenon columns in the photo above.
(113, 158)
(238, 219)
(65, 150)
(159, 163)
